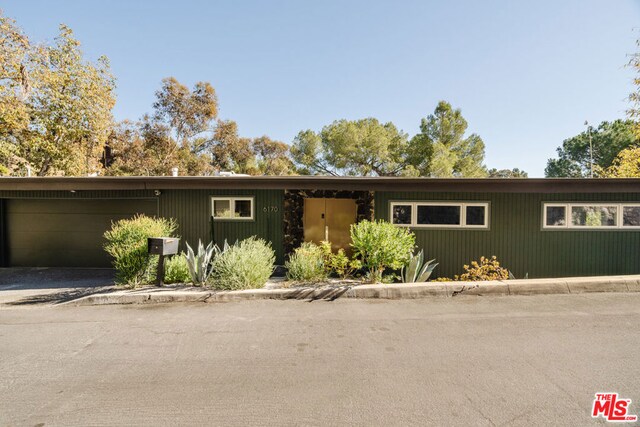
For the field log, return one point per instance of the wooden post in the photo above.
(160, 272)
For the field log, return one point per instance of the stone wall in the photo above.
(294, 211)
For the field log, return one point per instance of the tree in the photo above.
(272, 157)
(177, 135)
(147, 148)
(625, 165)
(507, 173)
(142, 149)
(229, 152)
(362, 147)
(306, 151)
(55, 107)
(634, 98)
(368, 147)
(188, 113)
(71, 110)
(16, 63)
(257, 156)
(608, 139)
(442, 135)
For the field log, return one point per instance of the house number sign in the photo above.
(270, 209)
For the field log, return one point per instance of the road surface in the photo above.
(520, 361)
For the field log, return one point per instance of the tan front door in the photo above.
(329, 219)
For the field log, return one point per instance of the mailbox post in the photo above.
(162, 246)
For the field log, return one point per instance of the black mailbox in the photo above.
(163, 245)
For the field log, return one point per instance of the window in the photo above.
(401, 214)
(555, 215)
(631, 216)
(440, 214)
(475, 215)
(591, 216)
(594, 216)
(232, 208)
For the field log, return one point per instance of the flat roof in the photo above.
(499, 185)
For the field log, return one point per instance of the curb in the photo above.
(571, 285)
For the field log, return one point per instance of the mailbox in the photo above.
(163, 245)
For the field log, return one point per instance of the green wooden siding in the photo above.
(192, 210)
(516, 237)
(515, 234)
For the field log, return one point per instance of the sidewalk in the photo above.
(572, 285)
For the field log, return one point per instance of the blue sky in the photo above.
(525, 74)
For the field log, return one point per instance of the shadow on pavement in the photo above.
(315, 294)
(60, 297)
(28, 286)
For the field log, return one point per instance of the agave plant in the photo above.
(225, 246)
(199, 263)
(415, 270)
(513, 277)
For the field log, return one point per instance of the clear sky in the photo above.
(525, 74)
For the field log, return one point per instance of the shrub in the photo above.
(176, 270)
(486, 269)
(127, 244)
(245, 265)
(306, 264)
(415, 270)
(381, 245)
(338, 263)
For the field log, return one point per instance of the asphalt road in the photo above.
(521, 361)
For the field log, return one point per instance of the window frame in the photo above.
(463, 214)
(232, 206)
(568, 216)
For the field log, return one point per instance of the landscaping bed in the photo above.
(382, 264)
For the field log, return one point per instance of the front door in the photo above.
(329, 219)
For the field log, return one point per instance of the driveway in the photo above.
(28, 286)
(469, 361)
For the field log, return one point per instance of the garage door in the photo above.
(65, 233)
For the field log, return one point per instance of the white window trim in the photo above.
(463, 214)
(569, 223)
(232, 207)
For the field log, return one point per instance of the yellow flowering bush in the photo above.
(486, 269)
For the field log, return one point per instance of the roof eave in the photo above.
(501, 185)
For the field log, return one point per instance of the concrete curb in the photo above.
(571, 285)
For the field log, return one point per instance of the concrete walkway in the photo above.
(575, 285)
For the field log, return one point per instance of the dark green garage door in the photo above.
(65, 233)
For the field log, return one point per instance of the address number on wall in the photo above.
(270, 209)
